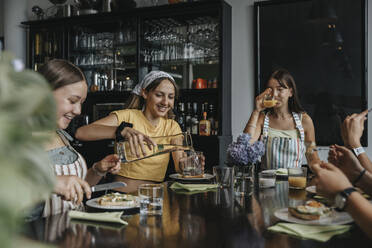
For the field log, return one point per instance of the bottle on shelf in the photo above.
(95, 86)
(38, 59)
(188, 117)
(213, 119)
(215, 83)
(204, 126)
(181, 118)
(195, 119)
(204, 108)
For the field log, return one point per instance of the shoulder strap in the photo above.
(265, 129)
(65, 137)
(298, 118)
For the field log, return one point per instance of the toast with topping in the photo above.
(312, 210)
(116, 199)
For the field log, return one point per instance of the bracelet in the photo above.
(251, 125)
(97, 172)
(118, 136)
(360, 176)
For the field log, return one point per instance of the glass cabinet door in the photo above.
(106, 52)
(188, 48)
(46, 44)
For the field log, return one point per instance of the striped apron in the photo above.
(67, 162)
(282, 152)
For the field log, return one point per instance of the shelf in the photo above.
(106, 67)
(77, 51)
(197, 61)
(109, 94)
(202, 92)
(106, 50)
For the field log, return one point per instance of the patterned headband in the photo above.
(149, 78)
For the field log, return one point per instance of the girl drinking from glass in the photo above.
(283, 125)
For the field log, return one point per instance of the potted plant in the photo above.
(27, 107)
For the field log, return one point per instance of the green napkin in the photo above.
(98, 224)
(193, 187)
(112, 217)
(282, 171)
(318, 233)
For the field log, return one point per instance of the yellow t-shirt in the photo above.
(153, 168)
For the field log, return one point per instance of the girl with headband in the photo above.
(147, 113)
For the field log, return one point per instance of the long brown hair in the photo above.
(59, 73)
(286, 80)
(138, 102)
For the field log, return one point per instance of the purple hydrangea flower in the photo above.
(243, 153)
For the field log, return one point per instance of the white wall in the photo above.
(1, 18)
(14, 13)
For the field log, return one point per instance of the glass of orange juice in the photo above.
(297, 177)
(269, 101)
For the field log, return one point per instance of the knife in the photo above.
(107, 186)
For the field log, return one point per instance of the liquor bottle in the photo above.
(215, 83)
(195, 119)
(95, 86)
(164, 144)
(38, 52)
(188, 118)
(213, 119)
(204, 108)
(204, 126)
(181, 118)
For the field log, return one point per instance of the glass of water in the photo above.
(151, 199)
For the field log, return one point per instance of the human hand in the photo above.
(345, 160)
(110, 163)
(329, 179)
(72, 188)
(137, 141)
(352, 129)
(259, 106)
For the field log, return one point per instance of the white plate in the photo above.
(335, 218)
(94, 204)
(311, 189)
(179, 177)
(276, 173)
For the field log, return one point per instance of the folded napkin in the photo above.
(318, 233)
(193, 187)
(99, 224)
(113, 217)
(282, 171)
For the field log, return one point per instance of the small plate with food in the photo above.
(313, 213)
(204, 176)
(279, 173)
(114, 201)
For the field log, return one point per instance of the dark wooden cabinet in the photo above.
(192, 41)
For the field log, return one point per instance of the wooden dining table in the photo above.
(215, 218)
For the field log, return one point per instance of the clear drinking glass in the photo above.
(164, 144)
(224, 176)
(297, 177)
(151, 199)
(191, 165)
(269, 101)
(267, 179)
